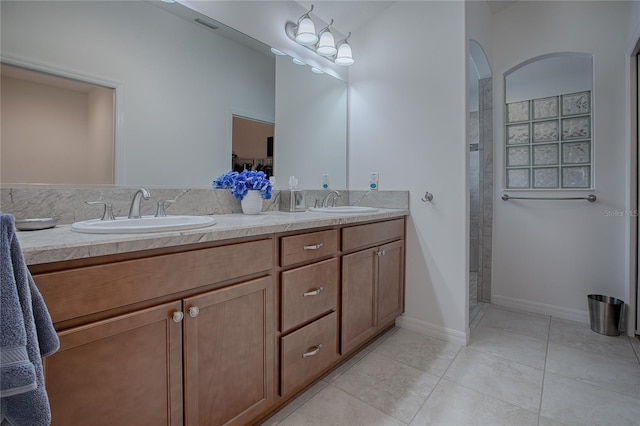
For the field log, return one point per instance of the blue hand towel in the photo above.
(26, 335)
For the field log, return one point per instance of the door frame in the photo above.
(632, 261)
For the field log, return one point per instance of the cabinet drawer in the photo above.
(308, 292)
(82, 291)
(372, 233)
(313, 245)
(308, 352)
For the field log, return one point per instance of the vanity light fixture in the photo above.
(306, 30)
(322, 43)
(327, 44)
(277, 52)
(298, 61)
(344, 57)
(316, 70)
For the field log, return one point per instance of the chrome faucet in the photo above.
(325, 200)
(134, 210)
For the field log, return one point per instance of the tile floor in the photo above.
(519, 369)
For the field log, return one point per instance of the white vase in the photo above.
(252, 202)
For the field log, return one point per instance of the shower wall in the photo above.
(485, 193)
(473, 138)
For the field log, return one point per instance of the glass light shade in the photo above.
(316, 70)
(298, 61)
(326, 45)
(306, 33)
(344, 57)
(277, 52)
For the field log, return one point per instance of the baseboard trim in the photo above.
(542, 308)
(432, 330)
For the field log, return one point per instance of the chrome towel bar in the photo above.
(590, 198)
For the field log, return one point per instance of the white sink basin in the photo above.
(123, 225)
(343, 209)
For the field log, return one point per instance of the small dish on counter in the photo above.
(35, 224)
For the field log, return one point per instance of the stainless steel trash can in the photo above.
(604, 314)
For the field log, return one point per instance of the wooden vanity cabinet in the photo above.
(215, 335)
(372, 280)
(229, 354)
(204, 358)
(308, 308)
(124, 370)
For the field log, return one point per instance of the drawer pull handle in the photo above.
(313, 292)
(177, 316)
(313, 247)
(194, 311)
(313, 352)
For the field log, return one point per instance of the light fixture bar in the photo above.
(322, 43)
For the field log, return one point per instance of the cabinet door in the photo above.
(230, 353)
(359, 321)
(390, 282)
(125, 370)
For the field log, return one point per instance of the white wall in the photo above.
(407, 121)
(311, 135)
(172, 76)
(552, 76)
(265, 21)
(549, 255)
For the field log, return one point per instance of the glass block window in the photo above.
(549, 142)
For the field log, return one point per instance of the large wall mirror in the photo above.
(548, 131)
(179, 79)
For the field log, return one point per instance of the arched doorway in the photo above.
(480, 174)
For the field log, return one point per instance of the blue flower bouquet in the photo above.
(240, 183)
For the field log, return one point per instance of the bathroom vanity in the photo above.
(219, 325)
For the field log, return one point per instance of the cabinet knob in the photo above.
(313, 352)
(313, 247)
(194, 311)
(313, 292)
(177, 316)
(380, 253)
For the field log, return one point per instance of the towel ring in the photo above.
(428, 197)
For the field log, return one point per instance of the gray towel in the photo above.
(26, 335)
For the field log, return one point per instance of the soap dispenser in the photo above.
(292, 200)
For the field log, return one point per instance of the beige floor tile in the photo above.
(635, 343)
(597, 369)
(523, 323)
(393, 387)
(510, 381)
(506, 344)
(452, 404)
(544, 421)
(331, 406)
(574, 403)
(579, 335)
(295, 404)
(346, 366)
(419, 351)
(377, 342)
(478, 313)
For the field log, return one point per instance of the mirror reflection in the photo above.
(54, 129)
(178, 83)
(252, 145)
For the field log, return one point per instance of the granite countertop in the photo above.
(61, 243)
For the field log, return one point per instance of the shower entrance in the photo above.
(480, 174)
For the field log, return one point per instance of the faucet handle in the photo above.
(107, 214)
(163, 205)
